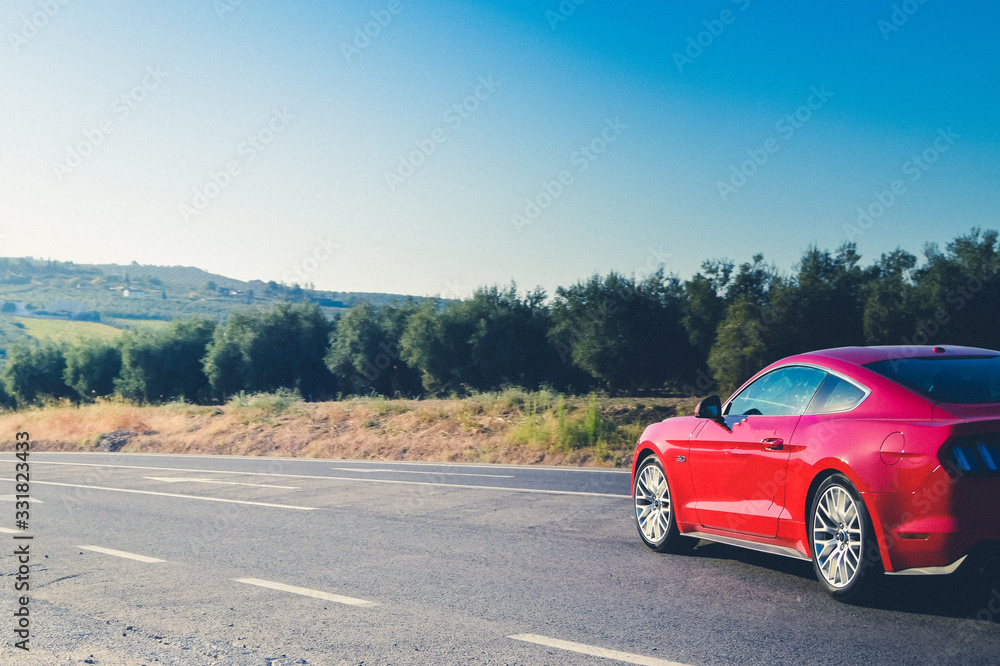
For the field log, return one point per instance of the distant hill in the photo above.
(179, 275)
(125, 296)
(197, 277)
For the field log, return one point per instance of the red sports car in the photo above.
(862, 459)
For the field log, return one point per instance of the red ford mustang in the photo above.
(862, 459)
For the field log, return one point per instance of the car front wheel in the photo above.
(844, 550)
(654, 510)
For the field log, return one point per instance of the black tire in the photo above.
(653, 510)
(846, 561)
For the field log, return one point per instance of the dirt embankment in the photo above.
(538, 428)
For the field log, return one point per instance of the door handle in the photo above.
(773, 443)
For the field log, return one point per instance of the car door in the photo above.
(738, 465)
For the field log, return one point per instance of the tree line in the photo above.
(622, 334)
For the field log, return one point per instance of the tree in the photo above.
(739, 350)
(703, 310)
(34, 373)
(960, 292)
(91, 368)
(365, 354)
(7, 401)
(494, 339)
(262, 350)
(422, 347)
(890, 305)
(507, 339)
(165, 365)
(628, 336)
(820, 306)
(751, 283)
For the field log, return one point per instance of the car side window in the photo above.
(782, 392)
(835, 395)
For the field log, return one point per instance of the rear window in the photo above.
(967, 380)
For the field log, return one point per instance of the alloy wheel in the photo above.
(652, 503)
(838, 536)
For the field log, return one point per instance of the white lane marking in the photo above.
(196, 497)
(179, 479)
(326, 461)
(335, 478)
(12, 498)
(7, 530)
(339, 598)
(593, 651)
(122, 553)
(410, 471)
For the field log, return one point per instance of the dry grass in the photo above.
(507, 427)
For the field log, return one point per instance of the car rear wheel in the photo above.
(844, 550)
(654, 510)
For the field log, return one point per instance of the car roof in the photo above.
(864, 355)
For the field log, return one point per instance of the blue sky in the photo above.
(432, 147)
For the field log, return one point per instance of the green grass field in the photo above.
(61, 330)
(139, 324)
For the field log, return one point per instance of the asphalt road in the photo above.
(264, 561)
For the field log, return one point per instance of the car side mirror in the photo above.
(709, 408)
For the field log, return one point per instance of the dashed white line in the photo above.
(7, 530)
(122, 553)
(410, 471)
(179, 479)
(594, 651)
(195, 497)
(541, 491)
(304, 591)
(12, 498)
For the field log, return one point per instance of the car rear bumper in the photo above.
(931, 529)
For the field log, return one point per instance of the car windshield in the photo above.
(958, 379)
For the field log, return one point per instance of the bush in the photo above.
(271, 404)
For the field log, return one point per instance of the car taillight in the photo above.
(974, 455)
